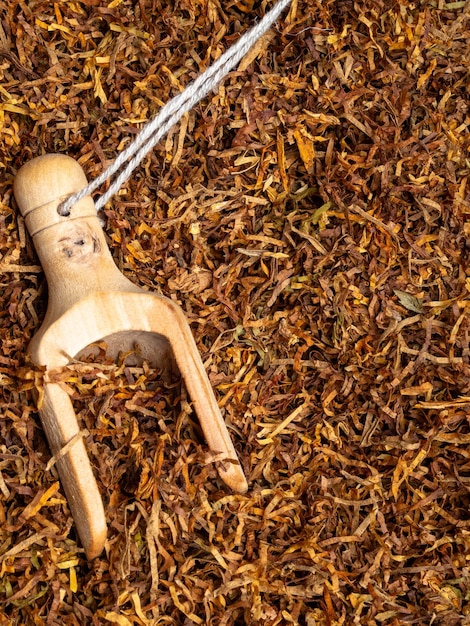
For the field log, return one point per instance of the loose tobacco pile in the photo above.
(311, 219)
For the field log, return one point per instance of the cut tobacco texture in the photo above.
(334, 160)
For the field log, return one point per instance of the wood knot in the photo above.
(79, 245)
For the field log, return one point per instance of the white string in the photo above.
(172, 112)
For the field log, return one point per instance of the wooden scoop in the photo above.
(90, 300)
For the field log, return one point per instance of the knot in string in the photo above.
(153, 131)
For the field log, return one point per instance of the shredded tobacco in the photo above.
(311, 219)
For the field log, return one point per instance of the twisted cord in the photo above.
(153, 131)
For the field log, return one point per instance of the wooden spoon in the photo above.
(90, 300)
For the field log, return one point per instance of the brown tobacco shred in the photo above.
(310, 216)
